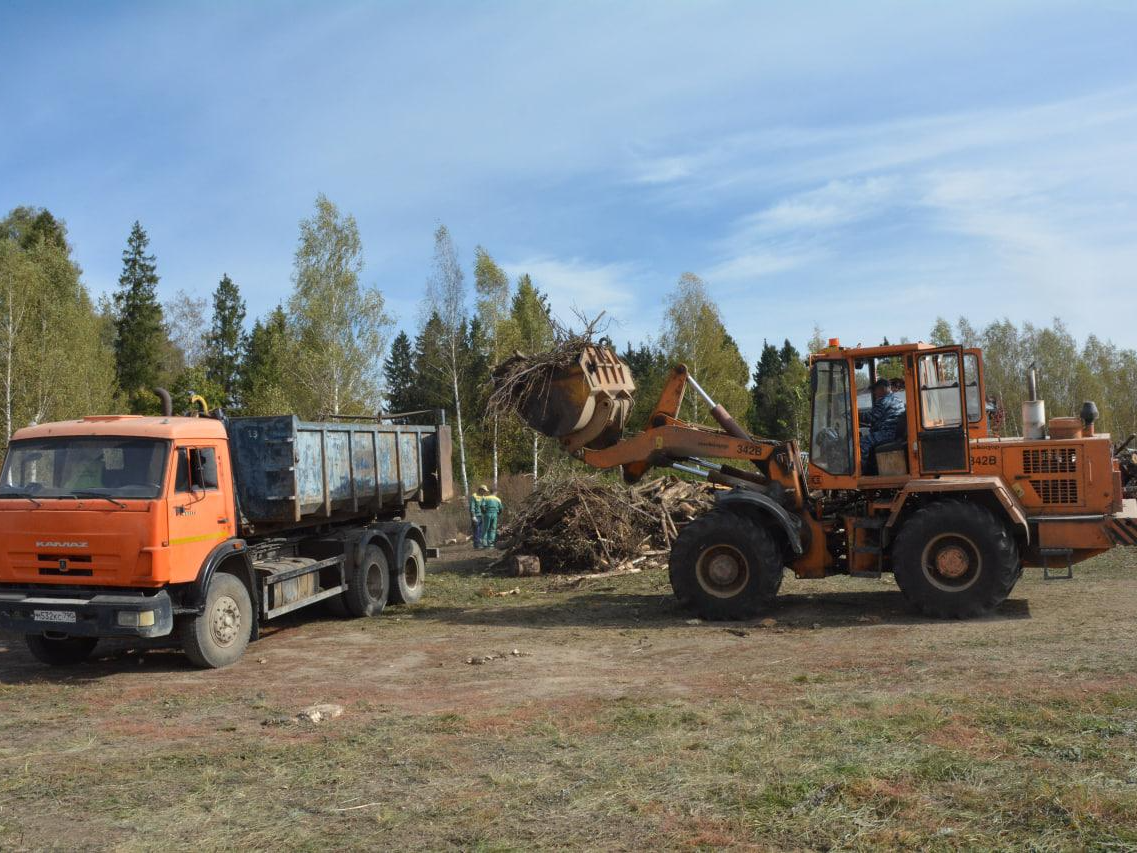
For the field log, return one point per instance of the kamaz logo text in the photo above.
(61, 544)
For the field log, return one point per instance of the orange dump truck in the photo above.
(205, 528)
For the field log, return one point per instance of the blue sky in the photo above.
(862, 167)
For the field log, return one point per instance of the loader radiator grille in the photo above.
(1050, 460)
(1056, 491)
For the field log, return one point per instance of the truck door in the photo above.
(942, 437)
(200, 510)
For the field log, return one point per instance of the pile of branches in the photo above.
(589, 524)
(522, 378)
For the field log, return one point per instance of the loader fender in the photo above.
(990, 491)
(745, 501)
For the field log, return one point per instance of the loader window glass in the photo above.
(66, 466)
(831, 447)
(971, 384)
(938, 374)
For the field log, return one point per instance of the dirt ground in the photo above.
(596, 714)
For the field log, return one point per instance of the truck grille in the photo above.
(1050, 460)
(1056, 491)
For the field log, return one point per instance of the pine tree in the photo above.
(430, 388)
(225, 342)
(267, 357)
(139, 337)
(531, 324)
(399, 369)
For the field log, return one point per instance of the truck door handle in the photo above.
(222, 521)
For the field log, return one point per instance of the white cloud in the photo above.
(577, 286)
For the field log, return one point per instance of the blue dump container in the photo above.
(291, 473)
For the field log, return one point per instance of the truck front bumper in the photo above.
(75, 614)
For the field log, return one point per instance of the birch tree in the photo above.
(339, 327)
(54, 360)
(694, 334)
(492, 287)
(446, 295)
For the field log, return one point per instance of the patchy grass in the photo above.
(849, 723)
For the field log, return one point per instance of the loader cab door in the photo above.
(942, 414)
(831, 447)
(976, 393)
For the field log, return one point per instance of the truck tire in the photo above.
(408, 582)
(725, 566)
(368, 584)
(60, 651)
(955, 560)
(218, 636)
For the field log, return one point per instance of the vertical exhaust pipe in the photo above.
(167, 402)
(1034, 409)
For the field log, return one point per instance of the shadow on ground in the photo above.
(613, 610)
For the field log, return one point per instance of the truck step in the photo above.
(872, 575)
(1060, 555)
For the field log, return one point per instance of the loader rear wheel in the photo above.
(955, 560)
(218, 635)
(725, 566)
(408, 583)
(60, 651)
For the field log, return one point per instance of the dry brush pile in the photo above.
(589, 524)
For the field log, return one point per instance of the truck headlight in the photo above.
(136, 618)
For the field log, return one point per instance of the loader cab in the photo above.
(944, 409)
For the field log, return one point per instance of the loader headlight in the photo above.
(136, 618)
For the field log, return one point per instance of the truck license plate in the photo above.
(54, 615)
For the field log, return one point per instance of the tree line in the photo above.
(327, 349)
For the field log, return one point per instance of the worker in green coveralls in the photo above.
(476, 515)
(491, 509)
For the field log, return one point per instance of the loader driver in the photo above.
(887, 410)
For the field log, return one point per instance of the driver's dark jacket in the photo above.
(886, 415)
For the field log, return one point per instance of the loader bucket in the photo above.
(584, 404)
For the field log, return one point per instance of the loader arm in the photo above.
(668, 441)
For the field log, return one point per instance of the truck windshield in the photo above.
(80, 466)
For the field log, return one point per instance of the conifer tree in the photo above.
(225, 342)
(399, 369)
(139, 337)
(263, 368)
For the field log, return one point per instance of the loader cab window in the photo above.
(831, 445)
(971, 387)
(197, 468)
(939, 378)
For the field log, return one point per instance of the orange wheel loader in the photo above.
(953, 511)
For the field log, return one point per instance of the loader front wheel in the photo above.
(955, 560)
(725, 566)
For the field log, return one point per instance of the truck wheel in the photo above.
(218, 636)
(410, 580)
(368, 584)
(725, 566)
(60, 651)
(953, 560)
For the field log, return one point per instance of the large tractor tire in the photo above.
(60, 651)
(725, 566)
(955, 560)
(218, 636)
(368, 584)
(408, 583)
